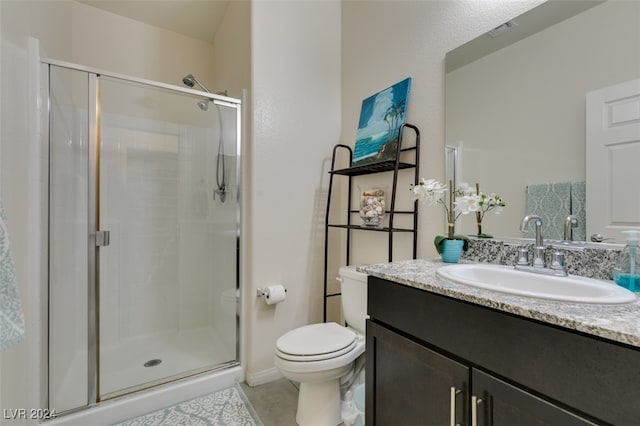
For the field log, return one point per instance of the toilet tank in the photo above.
(354, 297)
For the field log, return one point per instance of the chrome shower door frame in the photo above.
(96, 236)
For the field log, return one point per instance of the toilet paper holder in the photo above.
(262, 292)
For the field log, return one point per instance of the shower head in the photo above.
(203, 105)
(190, 80)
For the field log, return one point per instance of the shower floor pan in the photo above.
(147, 360)
(123, 368)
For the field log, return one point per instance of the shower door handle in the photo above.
(103, 238)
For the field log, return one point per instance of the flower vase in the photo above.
(481, 234)
(451, 250)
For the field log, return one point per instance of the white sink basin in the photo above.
(506, 279)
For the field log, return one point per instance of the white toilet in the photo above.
(318, 355)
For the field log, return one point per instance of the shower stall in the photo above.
(144, 232)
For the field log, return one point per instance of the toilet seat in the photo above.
(316, 342)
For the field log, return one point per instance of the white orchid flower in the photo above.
(467, 204)
(467, 200)
(465, 189)
(428, 191)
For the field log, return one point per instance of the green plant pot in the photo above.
(451, 250)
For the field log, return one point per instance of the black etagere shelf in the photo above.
(394, 166)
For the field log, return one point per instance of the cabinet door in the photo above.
(408, 384)
(497, 403)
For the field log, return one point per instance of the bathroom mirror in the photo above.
(515, 104)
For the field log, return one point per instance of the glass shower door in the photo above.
(143, 234)
(168, 241)
(68, 243)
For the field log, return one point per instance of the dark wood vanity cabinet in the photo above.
(411, 382)
(434, 360)
(415, 385)
(499, 403)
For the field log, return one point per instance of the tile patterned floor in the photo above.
(226, 407)
(271, 404)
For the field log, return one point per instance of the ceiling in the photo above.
(198, 19)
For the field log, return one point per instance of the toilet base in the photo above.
(319, 404)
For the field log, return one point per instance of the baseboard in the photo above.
(262, 377)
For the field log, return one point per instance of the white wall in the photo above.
(296, 121)
(232, 51)
(111, 42)
(386, 41)
(380, 43)
(20, 174)
(1, 185)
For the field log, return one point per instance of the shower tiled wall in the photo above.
(172, 245)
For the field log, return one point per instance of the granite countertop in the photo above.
(620, 323)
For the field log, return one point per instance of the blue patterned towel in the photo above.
(578, 209)
(552, 202)
(11, 318)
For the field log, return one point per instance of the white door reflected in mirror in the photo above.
(613, 160)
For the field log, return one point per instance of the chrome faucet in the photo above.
(538, 221)
(538, 249)
(570, 222)
(539, 264)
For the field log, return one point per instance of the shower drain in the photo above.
(152, 362)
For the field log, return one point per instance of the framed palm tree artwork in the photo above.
(381, 117)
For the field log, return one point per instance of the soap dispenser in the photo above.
(626, 272)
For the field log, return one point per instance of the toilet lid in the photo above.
(316, 339)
